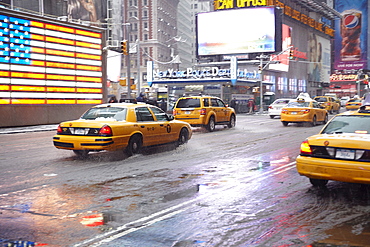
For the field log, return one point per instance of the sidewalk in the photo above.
(14, 130)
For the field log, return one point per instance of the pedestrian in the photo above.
(251, 106)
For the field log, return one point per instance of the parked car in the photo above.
(204, 111)
(274, 109)
(329, 103)
(120, 126)
(303, 111)
(344, 100)
(340, 151)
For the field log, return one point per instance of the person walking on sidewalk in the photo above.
(251, 106)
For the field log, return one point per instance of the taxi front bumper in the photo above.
(339, 170)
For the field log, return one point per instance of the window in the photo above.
(145, 24)
(145, 13)
(188, 103)
(143, 114)
(159, 114)
(206, 102)
(145, 37)
(214, 102)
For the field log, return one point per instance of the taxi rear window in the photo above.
(299, 104)
(96, 113)
(188, 103)
(348, 124)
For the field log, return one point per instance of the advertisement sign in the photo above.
(283, 58)
(238, 31)
(49, 63)
(319, 58)
(351, 35)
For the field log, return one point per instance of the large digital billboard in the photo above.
(49, 63)
(351, 35)
(238, 31)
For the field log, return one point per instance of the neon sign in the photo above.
(44, 63)
(213, 72)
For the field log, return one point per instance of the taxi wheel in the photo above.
(211, 124)
(81, 153)
(318, 182)
(232, 121)
(326, 119)
(134, 145)
(314, 121)
(183, 137)
(285, 123)
(331, 111)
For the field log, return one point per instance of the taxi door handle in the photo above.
(142, 126)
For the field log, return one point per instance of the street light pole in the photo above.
(138, 66)
(128, 76)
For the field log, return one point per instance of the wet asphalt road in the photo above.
(232, 187)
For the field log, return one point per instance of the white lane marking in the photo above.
(166, 213)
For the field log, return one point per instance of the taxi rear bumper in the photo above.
(85, 142)
(339, 170)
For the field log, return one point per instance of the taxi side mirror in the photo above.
(170, 117)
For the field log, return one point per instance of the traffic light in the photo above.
(124, 47)
(291, 54)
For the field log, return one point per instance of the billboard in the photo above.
(351, 35)
(319, 58)
(238, 31)
(45, 62)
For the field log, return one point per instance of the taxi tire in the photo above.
(318, 182)
(134, 145)
(232, 121)
(211, 124)
(326, 119)
(81, 153)
(183, 137)
(314, 121)
(285, 123)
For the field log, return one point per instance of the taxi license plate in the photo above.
(187, 112)
(293, 113)
(79, 131)
(345, 154)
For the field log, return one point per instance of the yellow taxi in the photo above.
(204, 111)
(341, 151)
(329, 103)
(303, 110)
(120, 126)
(353, 104)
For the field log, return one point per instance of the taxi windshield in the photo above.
(348, 124)
(97, 113)
(298, 104)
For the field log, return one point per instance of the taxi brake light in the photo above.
(59, 130)
(284, 111)
(270, 107)
(105, 131)
(174, 112)
(305, 111)
(306, 148)
(203, 111)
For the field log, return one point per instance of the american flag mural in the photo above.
(46, 63)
